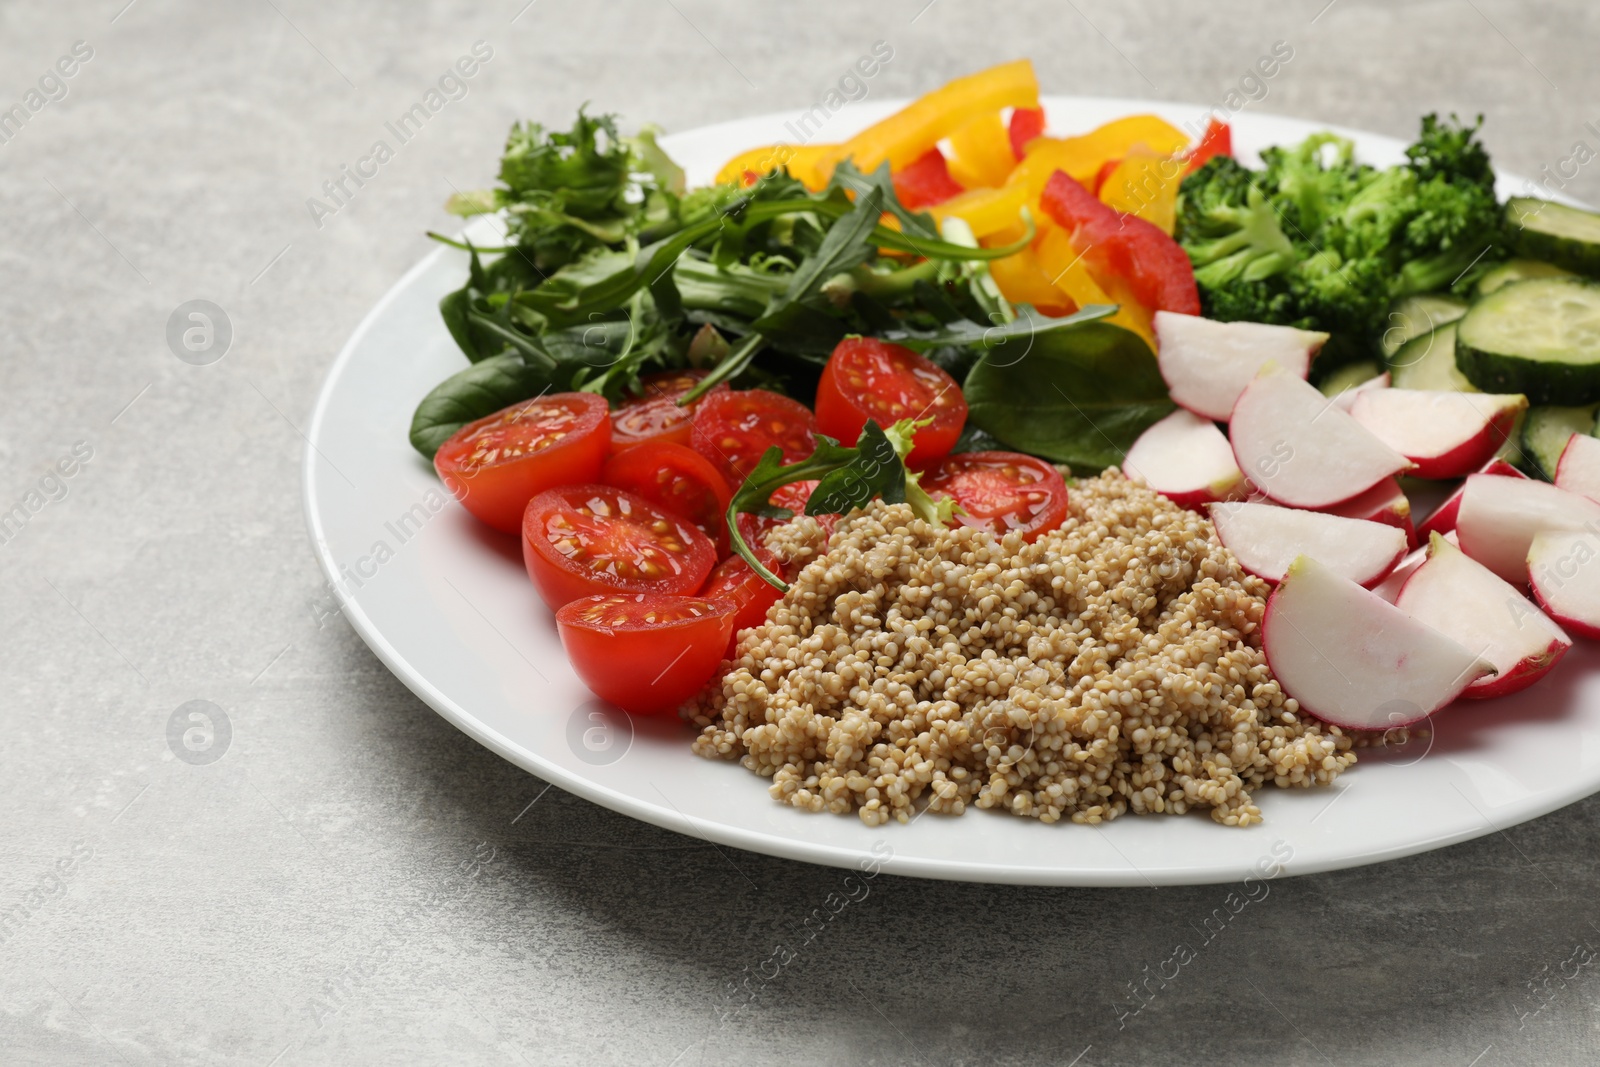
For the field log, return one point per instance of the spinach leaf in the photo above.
(481, 389)
(1079, 395)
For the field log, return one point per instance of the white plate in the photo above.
(446, 605)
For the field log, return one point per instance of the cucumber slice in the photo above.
(1416, 315)
(1429, 362)
(1349, 376)
(1515, 270)
(1540, 336)
(1555, 233)
(1546, 430)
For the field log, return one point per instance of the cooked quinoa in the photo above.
(1113, 665)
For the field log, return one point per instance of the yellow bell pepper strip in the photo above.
(1146, 185)
(982, 152)
(1023, 281)
(1069, 272)
(922, 124)
(801, 160)
(989, 210)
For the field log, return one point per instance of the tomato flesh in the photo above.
(1003, 492)
(925, 181)
(734, 429)
(583, 539)
(1155, 267)
(495, 465)
(871, 379)
(655, 415)
(751, 595)
(675, 478)
(645, 652)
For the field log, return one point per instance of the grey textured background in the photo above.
(355, 882)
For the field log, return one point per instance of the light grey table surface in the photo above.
(354, 881)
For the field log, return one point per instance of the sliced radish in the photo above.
(1500, 516)
(1578, 470)
(1564, 567)
(1464, 600)
(1385, 502)
(1346, 398)
(1351, 658)
(1390, 587)
(1301, 449)
(1445, 433)
(1207, 363)
(1187, 460)
(1266, 539)
(1443, 519)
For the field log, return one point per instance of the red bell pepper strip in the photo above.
(1026, 124)
(1154, 267)
(1107, 169)
(1216, 141)
(925, 181)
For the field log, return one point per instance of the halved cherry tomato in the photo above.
(583, 539)
(871, 379)
(1156, 267)
(1003, 492)
(645, 652)
(794, 496)
(654, 415)
(1026, 124)
(1216, 141)
(924, 181)
(751, 595)
(676, 478)
(495, 465)
(734, 429)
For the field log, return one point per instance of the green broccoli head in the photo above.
(1320, 241)
(1231, 233)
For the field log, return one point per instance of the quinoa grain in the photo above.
(1113, 665)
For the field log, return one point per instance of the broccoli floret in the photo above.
(1320, 241)
(1234, 234)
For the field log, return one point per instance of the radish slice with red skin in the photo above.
(1564, 568)
(1353, 659)
(1466, 601)
(1578, 469)
(1207, 364)
(1446, 434)
(1390, 587)
(1500, 516)
(1346, 398)
(1385, 502)
(1301, 449)
(1266, 539)
(1443, 519)
(1187, 460)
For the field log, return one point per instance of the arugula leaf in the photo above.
(847, 478)
(481, 389)
(845, 246)
(847, 175)
(1028, 324)
(1080, 395)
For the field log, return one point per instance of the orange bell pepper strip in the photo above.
(1146, 185)
(982, 150)
(990, 210)
(801, 160)
(921, 125)
(1069, 272)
